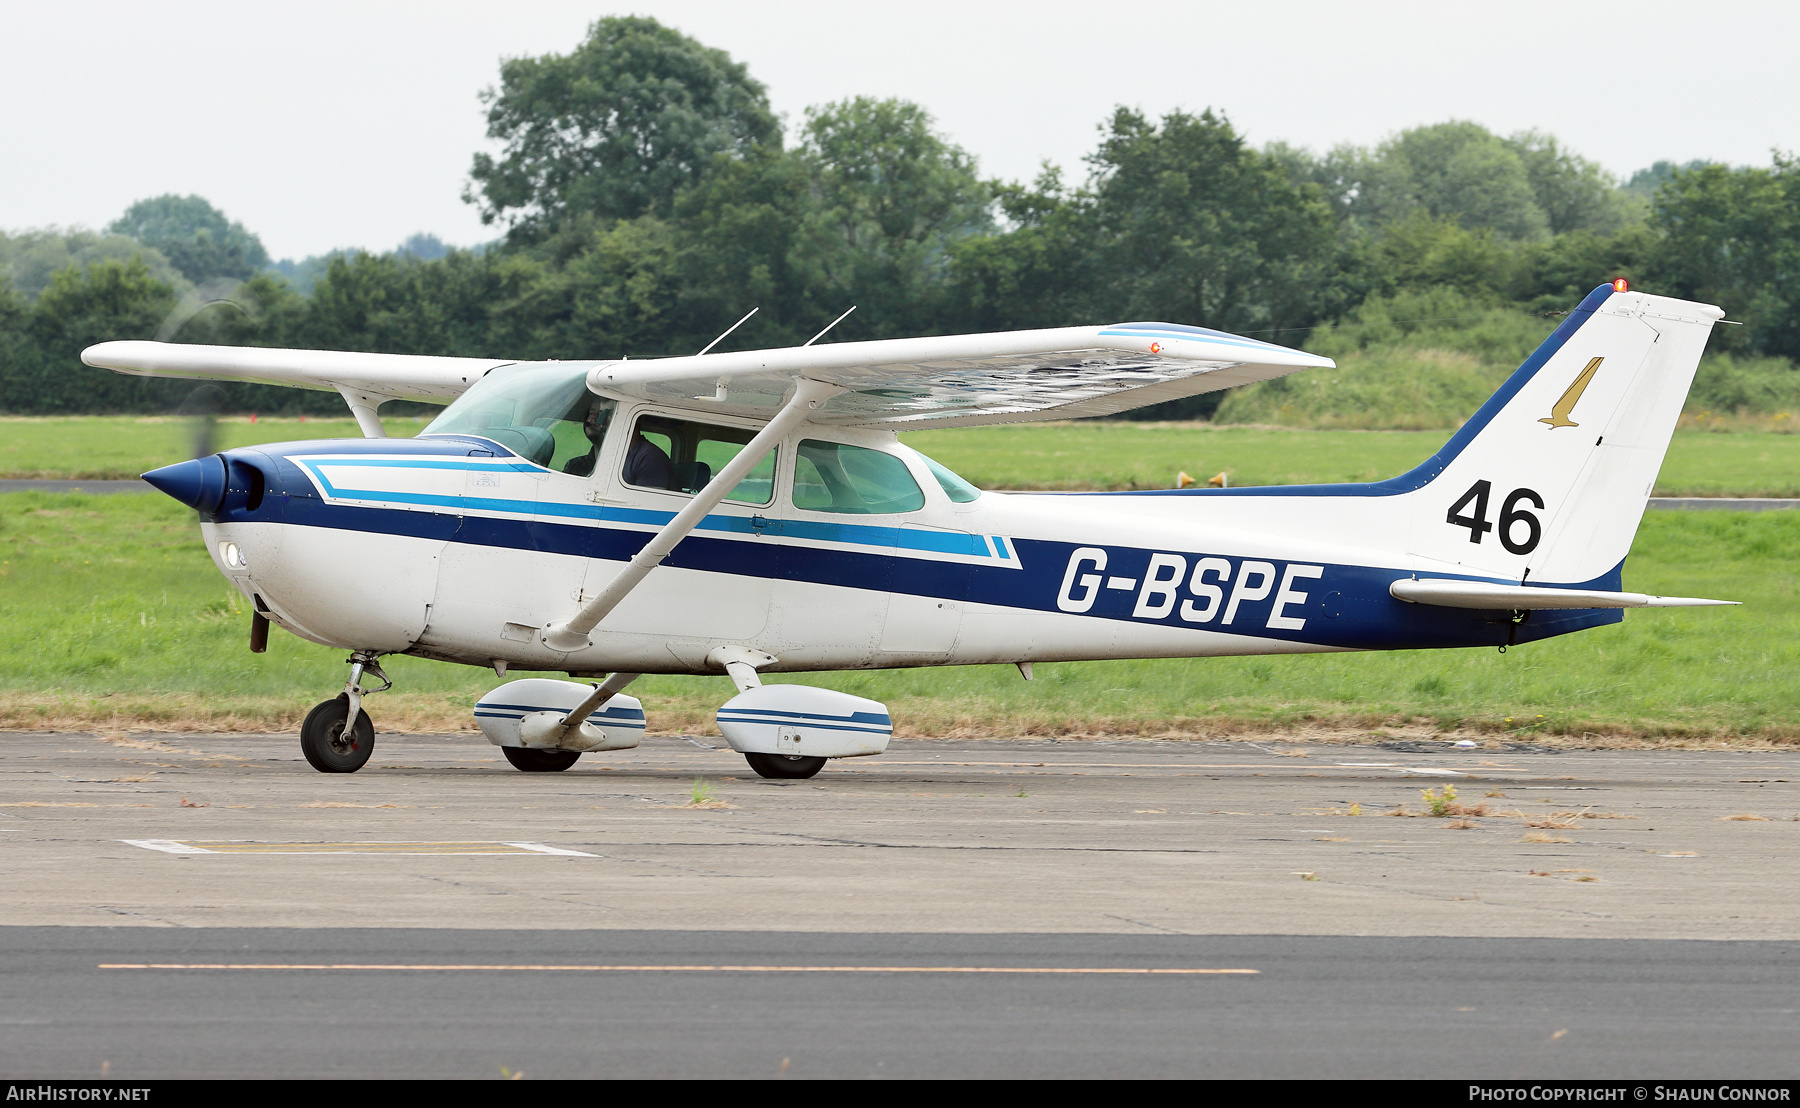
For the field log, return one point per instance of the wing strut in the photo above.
(573, 635)
(367, 410)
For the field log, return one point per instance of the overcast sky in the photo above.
(328, 124)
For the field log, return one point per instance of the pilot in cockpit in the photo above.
(599, 416)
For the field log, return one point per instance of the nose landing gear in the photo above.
(338, 735)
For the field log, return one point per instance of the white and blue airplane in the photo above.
(754, 512)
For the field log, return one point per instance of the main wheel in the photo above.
(540, 761)
(326, 744)
(790, 767)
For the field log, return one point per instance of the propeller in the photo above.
(201, 406)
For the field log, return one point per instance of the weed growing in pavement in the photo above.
(1443, 803)
(1440, 801)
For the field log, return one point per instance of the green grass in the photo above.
(115, 618)
(120, 447)
(1095, 455)
(1390, 388)
(1107, 455)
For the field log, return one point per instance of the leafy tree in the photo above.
(1421, 252)
(30, 258)
(18, 354)
(890, 196)
(388, 304)
(865, 211)
(1553, 275)
(111, 300)
(1574, 193)
(1038, 272)
(1194, 226)
(1644, 183)
(1460, 170)
(195, 236)
(423, 247)
(614, 129)
(1732, 237)
(742, 234)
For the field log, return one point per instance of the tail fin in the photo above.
(1549, 480)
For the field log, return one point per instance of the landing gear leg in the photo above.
(338, 735)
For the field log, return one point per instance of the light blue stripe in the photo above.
(1249, 344)
(851, 534)
(934, 542)
(413, 463)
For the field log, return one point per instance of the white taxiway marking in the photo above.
(1401, 768)
(452, 849)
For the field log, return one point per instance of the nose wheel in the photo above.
(791, 767)
(331, 746)
(338, 736)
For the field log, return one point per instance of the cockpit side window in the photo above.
(958, 490)
(544, 414)
(854, 480)
(680, 455)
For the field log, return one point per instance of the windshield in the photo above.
(544, 414)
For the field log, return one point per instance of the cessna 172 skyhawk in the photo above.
(754, 512)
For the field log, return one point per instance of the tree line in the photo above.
(644, 196)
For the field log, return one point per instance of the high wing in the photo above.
(947, 381)
(963, 380)
(390, 376)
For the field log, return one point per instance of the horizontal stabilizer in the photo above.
(1484, 594)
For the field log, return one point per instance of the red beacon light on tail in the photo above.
(1620, 285)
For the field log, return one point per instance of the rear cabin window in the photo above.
(680, 455)
(834, 477)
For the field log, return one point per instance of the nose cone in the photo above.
(200, 484)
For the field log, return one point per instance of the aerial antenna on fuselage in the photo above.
(731, 328)
(829, 326)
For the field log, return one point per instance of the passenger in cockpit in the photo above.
(646, 466)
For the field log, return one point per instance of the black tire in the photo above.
(540, 761)
(788, 767)
(324, 743)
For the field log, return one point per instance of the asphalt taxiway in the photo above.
(1588, 913)
(240, 1002)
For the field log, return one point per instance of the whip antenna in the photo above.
(732, 328)
(829, 326)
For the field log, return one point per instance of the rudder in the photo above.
(1549, 480)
